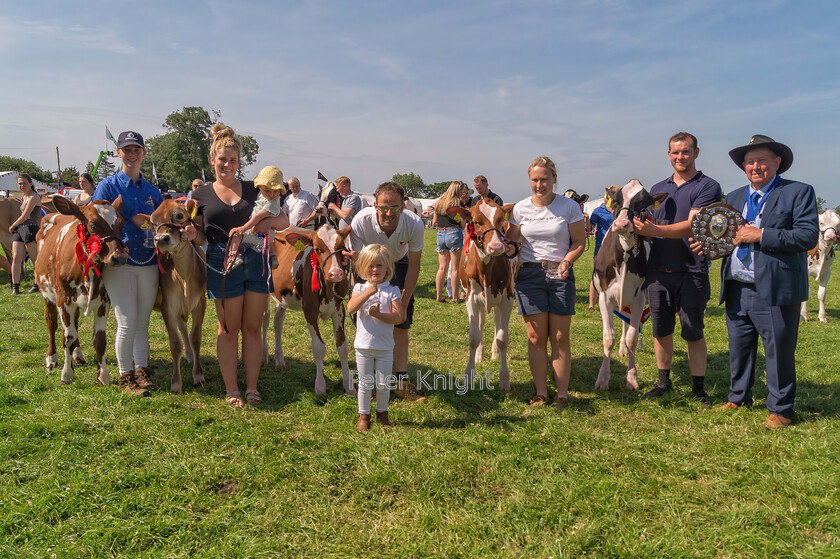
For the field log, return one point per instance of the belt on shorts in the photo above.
(450, 227)
(545, 264)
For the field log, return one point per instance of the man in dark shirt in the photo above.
(483, 190)
(677, 279)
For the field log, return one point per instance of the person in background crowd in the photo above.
(553, 236)
(601, 221)
(349, 203)
(450, 239)
(195, 184)
(23, 230)
(133, 288)
(483, 190)
(85, 197)
(300, 205)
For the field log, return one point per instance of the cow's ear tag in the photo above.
(146, 225)
(299, 245)
(609, 203)
(507, 216)
(192, 213)
(656, 205)
(458, 218)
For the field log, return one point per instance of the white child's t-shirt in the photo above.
(372, 333)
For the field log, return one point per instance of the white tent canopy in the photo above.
(8, 182)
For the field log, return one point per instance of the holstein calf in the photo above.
(620, 269)
(310, 279)
(72, 246)
(820, 258)
(183, 281)
(486, 273)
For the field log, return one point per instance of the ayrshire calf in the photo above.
(181, 292)
(310, 278)
(820, 258)
(487, 276)
(619, 274)
(71, 244)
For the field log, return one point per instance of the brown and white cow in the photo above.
(72, 247)
(620, 269)
(310, 278)
(183, 281)
(486, 273)
(820, 258)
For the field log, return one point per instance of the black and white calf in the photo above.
(820, 258)
(620, 269)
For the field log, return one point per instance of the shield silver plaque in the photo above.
(714, 228)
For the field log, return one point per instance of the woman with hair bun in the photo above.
(242, 294)
(450, 240)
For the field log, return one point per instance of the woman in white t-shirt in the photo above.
(551, 229)
(377, 303)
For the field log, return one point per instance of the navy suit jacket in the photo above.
(789, 229)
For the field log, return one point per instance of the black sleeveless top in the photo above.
(220, 218)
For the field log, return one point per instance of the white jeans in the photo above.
(370, 363)
(132, 290)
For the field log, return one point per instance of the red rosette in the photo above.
(94, 246)
(313, 259)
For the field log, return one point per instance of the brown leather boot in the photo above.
(364, 422)
(382, 418)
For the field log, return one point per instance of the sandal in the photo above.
(253, 397)
(538, 400)
(235, 399)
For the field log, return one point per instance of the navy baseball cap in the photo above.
(130, 138)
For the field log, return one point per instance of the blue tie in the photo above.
(752, 212)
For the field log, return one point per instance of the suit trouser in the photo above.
(747, 318)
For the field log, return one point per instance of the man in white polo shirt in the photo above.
(300, 205)
(402, 233)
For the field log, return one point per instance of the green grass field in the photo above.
(88, 471)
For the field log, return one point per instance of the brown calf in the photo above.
(310, 279)
(72, 247)
(183, 281)
(486, 272)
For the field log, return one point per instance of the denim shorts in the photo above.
(254, 275)
(450, 239)
(537, 294)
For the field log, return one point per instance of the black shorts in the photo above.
(400, 271)
(25, 232)
(683, 293)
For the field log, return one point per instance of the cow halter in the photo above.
(90, 244)
(478, 238)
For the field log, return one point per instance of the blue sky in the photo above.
(446, 90)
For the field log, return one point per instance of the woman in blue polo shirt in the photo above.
(132, 288)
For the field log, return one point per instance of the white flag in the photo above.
(202, 176)
(154, 173)
(108, 135)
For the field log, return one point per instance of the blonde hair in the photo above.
(449, 198)
(224, 137)
(372, 254)
(543, 161)
(342, 180)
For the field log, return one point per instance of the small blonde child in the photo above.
(377, 304)
(268, 204)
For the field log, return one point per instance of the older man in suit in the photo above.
(765, 279)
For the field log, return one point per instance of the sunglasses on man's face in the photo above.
(391, 209)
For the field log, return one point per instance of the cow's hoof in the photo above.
(632, 386)
(64, 382)
(79, 360)
(602, 385)
(803, 319)
(823, 319)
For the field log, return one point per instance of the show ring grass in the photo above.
(88, 471)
